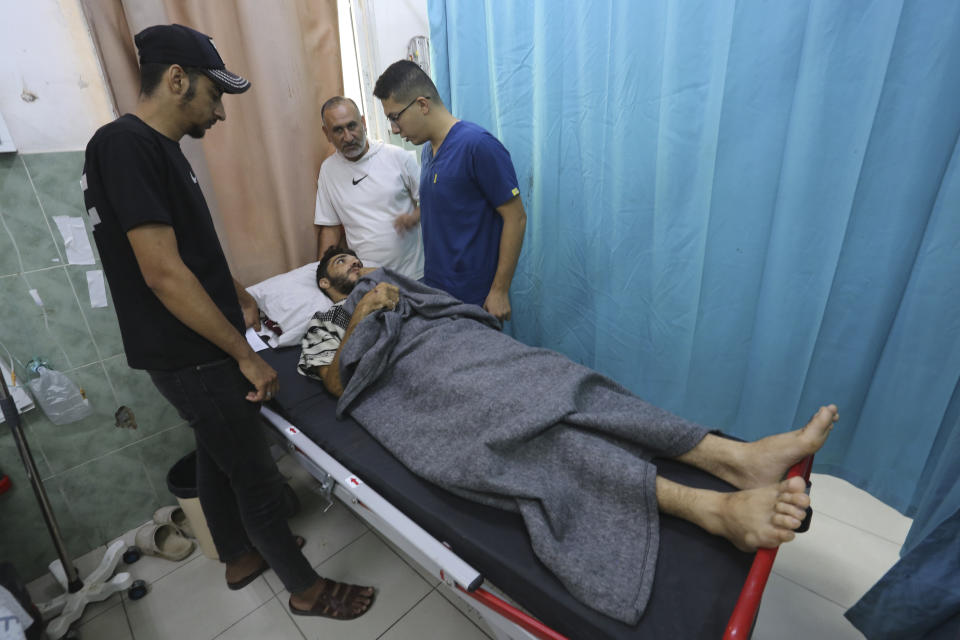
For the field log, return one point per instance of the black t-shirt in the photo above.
(135, 175)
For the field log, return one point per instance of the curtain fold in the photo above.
(259, 167)
(740, 210)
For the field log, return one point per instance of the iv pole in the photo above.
(69, 606)
(12, 416)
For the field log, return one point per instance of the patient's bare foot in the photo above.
(755, 518)
(752, 465)
(767, 460)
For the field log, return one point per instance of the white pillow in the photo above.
(290, 299)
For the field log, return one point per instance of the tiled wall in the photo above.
(102, 480)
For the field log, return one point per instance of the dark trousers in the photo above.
(239, 486)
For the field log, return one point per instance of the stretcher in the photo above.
(703, 587)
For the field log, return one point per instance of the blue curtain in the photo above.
(740, 210)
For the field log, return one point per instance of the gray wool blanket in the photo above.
(493, 420)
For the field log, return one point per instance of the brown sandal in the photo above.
(336, 601)
(241, 583)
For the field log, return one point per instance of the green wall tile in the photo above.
(9, 453)
(28, 544)
(9, 263)
(159, 452)
(102, 320)
(23, 217)
(22, 331)
(62, 337)
(110, 495)
(136, 390)
(68, 445)
(56, 178)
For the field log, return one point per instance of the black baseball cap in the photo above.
(177, 44)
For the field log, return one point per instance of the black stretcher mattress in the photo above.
(698, 576)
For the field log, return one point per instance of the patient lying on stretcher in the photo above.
(473, 410)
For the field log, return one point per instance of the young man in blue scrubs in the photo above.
(471, 214)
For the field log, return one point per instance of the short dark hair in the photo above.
(328, 255)
(334, 101)
(151, 73)
(404, 81)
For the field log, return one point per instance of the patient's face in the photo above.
(343, 271)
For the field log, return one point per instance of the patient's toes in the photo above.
(785, 521)
(785, 509)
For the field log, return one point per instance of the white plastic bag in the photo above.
(59, 397)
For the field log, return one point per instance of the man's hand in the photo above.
(405, 222)
(261, 375)
(382, 296)
(497, 304)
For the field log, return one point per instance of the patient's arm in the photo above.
(383, 296)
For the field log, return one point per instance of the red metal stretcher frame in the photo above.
(508, 622)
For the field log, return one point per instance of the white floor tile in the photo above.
(193, 602)
(788, 612)
(836, 560)
(326, 533)
(426, 575)
(109, 625)
(465, 608)
(368, 561)
(434, 617)
(847, 503)
(269, 621)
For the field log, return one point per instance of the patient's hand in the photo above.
(383, 296)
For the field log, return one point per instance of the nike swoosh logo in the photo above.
(193, 177)
(356, 181)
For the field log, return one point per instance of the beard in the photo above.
(196, 131)
(355, 151)
(343, 284)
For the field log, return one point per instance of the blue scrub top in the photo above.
(460, 188)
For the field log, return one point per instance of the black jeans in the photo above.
(238, 482)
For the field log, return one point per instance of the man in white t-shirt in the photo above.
(370, 188)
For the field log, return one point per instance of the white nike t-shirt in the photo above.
(365, 197)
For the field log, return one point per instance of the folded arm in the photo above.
(383, 296)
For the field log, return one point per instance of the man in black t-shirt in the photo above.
(182, 315)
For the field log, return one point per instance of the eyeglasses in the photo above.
(393, 117)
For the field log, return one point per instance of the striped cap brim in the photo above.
(229, 82)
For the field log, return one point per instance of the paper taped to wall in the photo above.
(97, 288)
(75, 239)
